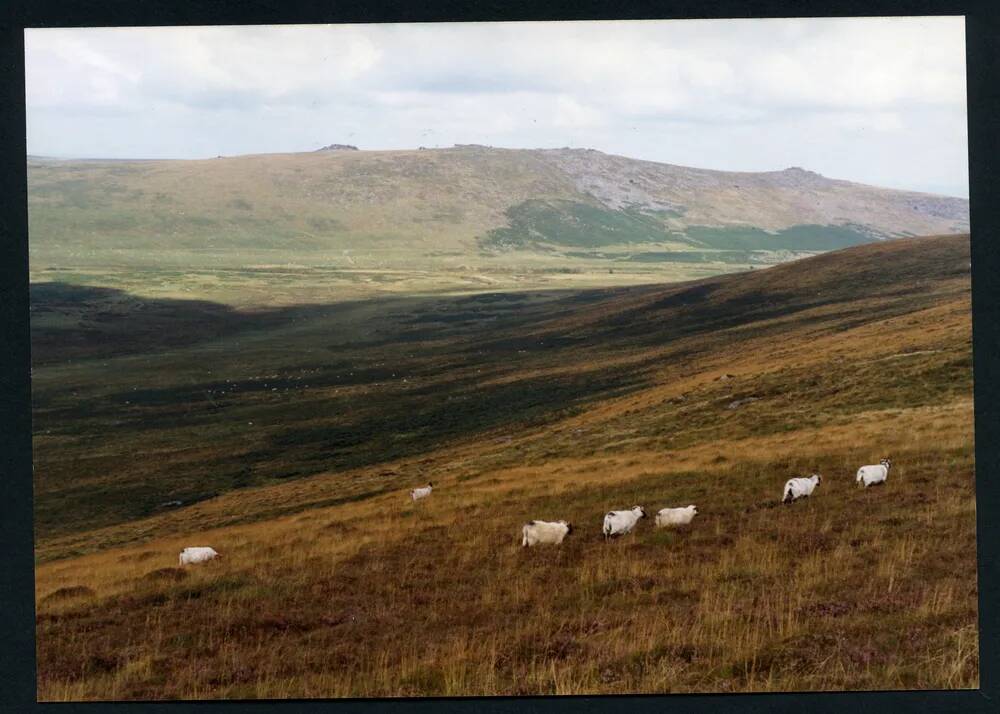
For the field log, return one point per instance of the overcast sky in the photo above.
(880, 101)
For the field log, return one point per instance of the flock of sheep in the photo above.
(616, 523)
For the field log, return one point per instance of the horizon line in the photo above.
(459, 146)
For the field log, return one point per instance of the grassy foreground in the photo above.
(714, 393)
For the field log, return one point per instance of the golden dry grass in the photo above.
(850, 589)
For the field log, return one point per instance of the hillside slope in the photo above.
(293, 448)
(449, 207)
(282, 395)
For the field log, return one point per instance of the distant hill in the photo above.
(475, 204)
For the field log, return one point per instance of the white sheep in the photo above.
(675, 516)
(871, 475)
(622, 522)
(551, 532)
(797, 488)
(197, 554)
(423, 492)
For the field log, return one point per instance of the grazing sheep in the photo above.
(675, 516)
(423, 492)
(551, 532)
(622, 522)
(871, 475)
(198, 554)
(797, 488)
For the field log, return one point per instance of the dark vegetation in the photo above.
(566, 223)
(795, 238)
(573, 224)
(72, 322)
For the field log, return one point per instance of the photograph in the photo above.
(501, 358)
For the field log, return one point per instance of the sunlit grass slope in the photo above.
(535, 406)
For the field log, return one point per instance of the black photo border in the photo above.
(17, 613)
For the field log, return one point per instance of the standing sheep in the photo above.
(197, 554)
(423, 492)
(621, 522)
(550, 532)
(871, 475)
(675, 516)
(797, 488)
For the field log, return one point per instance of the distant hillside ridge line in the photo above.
(788, 171)
(480, 203)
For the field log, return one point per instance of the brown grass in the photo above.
(850, 589)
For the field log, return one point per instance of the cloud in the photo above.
(571, 113)
(739, 90)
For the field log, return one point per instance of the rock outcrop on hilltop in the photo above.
(338, 147)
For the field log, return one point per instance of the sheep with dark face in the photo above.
(797, 488)
(618, 523)
(874, 474)
(547, 532)
(422, 492)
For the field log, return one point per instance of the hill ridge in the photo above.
(302, 227)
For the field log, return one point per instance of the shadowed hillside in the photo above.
(70, 322)
(292, 448)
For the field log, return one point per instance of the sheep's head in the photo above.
(887, 462)
(819, 478)
(693, 509)
(430, 485)
(641, 510)
(569, 528)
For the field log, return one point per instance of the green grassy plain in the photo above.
(293, 435)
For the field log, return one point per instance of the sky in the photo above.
(874, 100)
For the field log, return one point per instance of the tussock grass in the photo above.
(318, 596)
